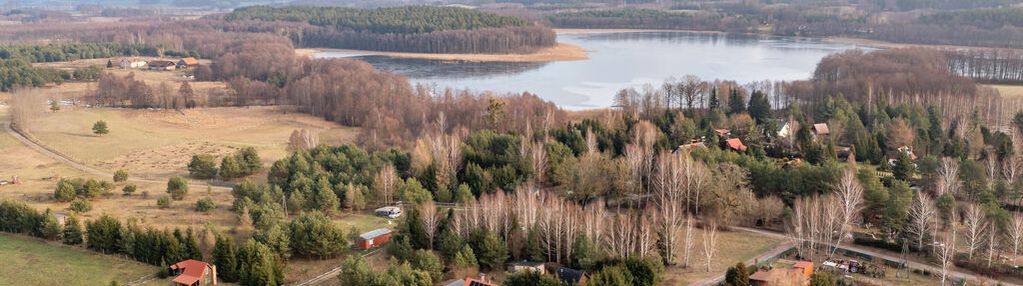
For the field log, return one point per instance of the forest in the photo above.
(406, 29)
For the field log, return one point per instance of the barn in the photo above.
(374, 238)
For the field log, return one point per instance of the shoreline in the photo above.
(559, 52)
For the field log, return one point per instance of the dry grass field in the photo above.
(732, 247)
(159, 143)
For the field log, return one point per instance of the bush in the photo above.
(205, 205)
(129, 189)
(120, 176)
(80, 205)
(177, 187)
(65, 191)
(878, 243)
(163, 202)
(100, 128)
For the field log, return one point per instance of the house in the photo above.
(526, 265)
(467, 282)
(188, 63)
(692, 146)
(571, 276)
(723, 132)
(389, 212)
(194, 273)
(127, 63)
(820, 129)
(908, 150)
(736, 144)
(374, 238)
(784, 272)
(162, 65)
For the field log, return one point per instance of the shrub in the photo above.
(120, 176)
(100, 128)
(129, 189)
(177, 187)
(163, 202)
(205, 205)
(80, 205)
(65, 191)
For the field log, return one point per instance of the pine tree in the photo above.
(72, 234)
(100, 128)
(224, 257)
(191, 247)
(737, 275)
(325, 199)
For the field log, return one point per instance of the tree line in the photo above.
(421, 29)
(992, 66)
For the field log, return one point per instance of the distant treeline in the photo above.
(73, 51)
(406, 29)
(989, 27)
(994, 66)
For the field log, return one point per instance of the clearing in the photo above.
(732, 247)
(159, 143)
(28, 261)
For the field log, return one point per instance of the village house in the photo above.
(736, 144)
(783, 272)
(468, 282)
(374, 238)
(162, 65)
(820, 130)
(194, 273)
(128, 63)
(188, 63)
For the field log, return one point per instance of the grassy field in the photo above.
(27, 261)
(159, 143)
(732, 247)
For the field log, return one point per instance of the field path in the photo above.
(912, 264)
(42, 149)
(330, 274)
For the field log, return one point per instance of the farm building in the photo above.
(188, 63)
(194, 273)
(390, 212)
(374, 238)
(162, 65)
(128, 63)
(736, 144)
(467, 282)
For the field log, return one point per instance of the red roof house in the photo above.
(735, 144)
(194, 273)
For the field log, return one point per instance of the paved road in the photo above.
(83, 167)
(912, 264)
(331, 274)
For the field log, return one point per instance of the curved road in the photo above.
(912, 264)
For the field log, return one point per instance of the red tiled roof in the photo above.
(736, 144)
(190, 61)
(192, 270)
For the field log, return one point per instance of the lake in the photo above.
(622, 60)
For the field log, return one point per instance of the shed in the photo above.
(374, 238)
(390, 212)
(128, 63)
(162, 65)
(188, 62)
(526, 265)
(571, 276)
(821, 129)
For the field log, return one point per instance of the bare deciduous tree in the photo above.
(946, 249)
(1012, 167)
(385, 182)
(850, 196)
(975, 225)
(1015, 234)
(948, 177)
(921, 214)
(710, 240)
(428, 212)
(302, 139)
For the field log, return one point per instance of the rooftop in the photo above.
(375, 233)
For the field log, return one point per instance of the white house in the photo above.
(127, 63)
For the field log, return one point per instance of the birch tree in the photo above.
(1015, 234)
(921, 215)
(385, 182)
(710, 240)
(974, 227)
(946, 251)
(670, 202)
(849, 193)
(428, 211)
(948, 177)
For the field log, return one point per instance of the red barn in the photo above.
(374, 238)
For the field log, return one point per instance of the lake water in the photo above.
(621, 60)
